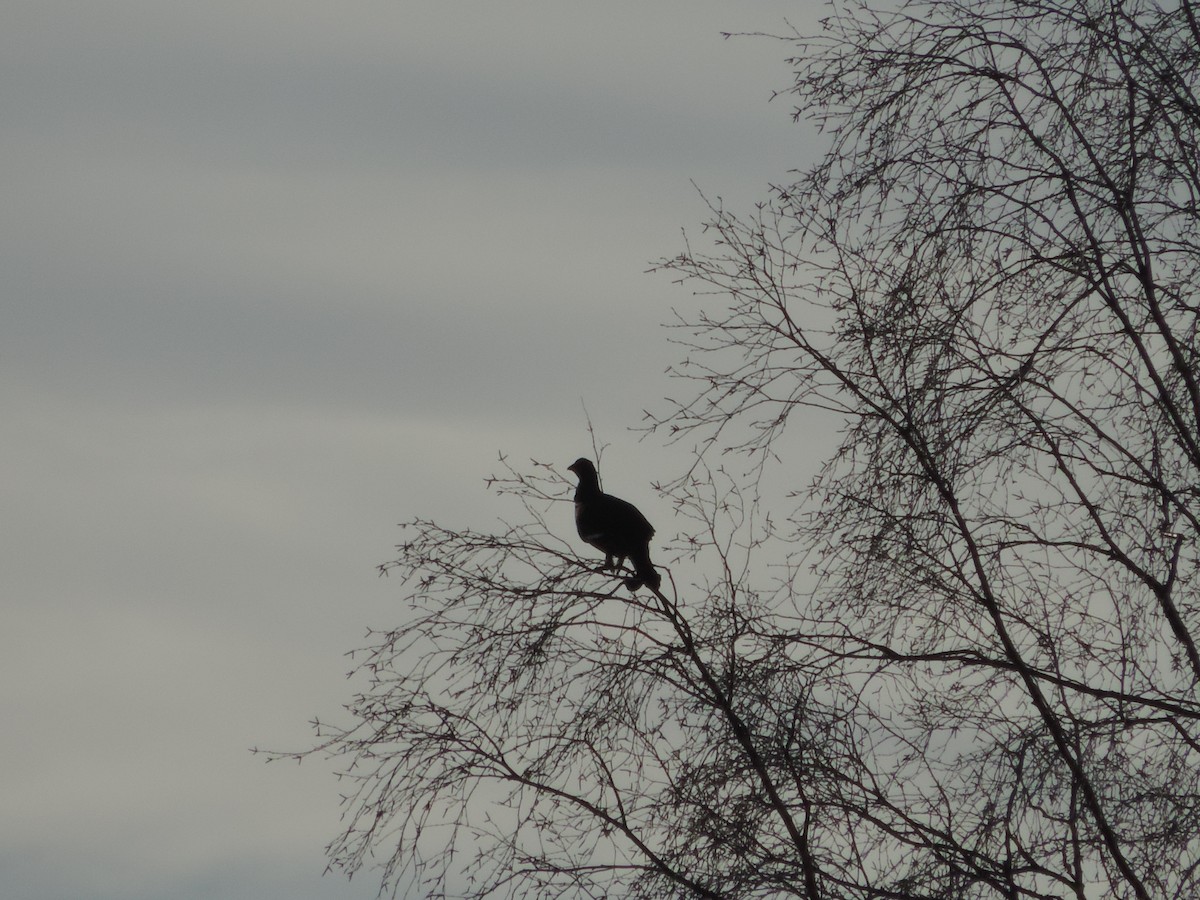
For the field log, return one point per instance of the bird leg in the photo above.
(618, 565)
(613, 564)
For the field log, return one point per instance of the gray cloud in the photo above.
(277, 276)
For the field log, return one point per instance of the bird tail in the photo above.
(646, 573)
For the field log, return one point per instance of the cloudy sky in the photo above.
(275, 277)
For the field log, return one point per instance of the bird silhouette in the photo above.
(613, 526)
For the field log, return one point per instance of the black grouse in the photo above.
(613, 526)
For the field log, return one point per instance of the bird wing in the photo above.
(611, 524)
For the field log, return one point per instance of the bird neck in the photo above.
(589, 485)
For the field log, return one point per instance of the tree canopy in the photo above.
(959, 662)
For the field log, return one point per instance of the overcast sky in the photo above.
(275, 277)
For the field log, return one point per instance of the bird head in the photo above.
(583, 468)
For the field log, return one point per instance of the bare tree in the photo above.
(962, 662)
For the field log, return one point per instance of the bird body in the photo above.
(613, 526)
